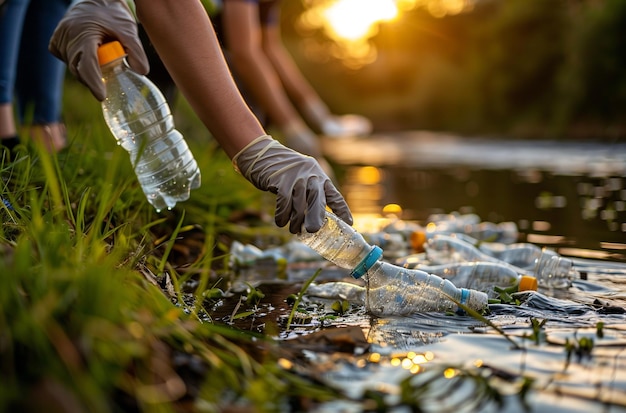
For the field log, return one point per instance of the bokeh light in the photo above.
(349, 25)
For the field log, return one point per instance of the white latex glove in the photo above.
(89, 24)
(346, 126)
(302, 188)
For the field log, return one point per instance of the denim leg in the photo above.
(11, 20)
(39, 86)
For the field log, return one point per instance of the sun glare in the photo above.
(356, 19)
(351, 24)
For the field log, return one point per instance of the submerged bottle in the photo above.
(390, 290)
(482, 276)
(140, 119)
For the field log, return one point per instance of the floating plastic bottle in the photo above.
(550, 269)
(455, 221)
(249, 254)
(140, 119)
(391, 290)
(394, 245)
(555, 271)
(521, 254)
(482, 276)
(504, 232)
(353, 293)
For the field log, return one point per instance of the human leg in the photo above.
(11, 20)
(40, 77)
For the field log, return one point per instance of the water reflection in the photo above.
(570, 196)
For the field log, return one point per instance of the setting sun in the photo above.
(356, 19)
(352, 24)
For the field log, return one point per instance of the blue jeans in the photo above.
(30, 75)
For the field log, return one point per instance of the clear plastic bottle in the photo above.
(141, 121)
(554, 271)
(338, 290)
(550, 269)
(504, 232)
(521, 254)
(447, 249)
(391, 290)
(482, 276)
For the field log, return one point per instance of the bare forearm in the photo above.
(260, 78)
(297, 86)
(185, 40)
(242, 34)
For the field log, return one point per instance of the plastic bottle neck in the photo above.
(114, 65)
(366, 263)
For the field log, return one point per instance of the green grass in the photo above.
(87, 322)
(83, 324)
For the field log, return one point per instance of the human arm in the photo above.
(244, 40)
(303, 190)
(183, 36)
(298, 88)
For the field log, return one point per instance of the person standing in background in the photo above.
(271, 80)
(31, 79)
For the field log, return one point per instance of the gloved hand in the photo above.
(346, 126)
(87, 25)
(303, 189)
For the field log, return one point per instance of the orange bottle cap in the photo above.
(109, 52)
(418, 238)
(527, 283)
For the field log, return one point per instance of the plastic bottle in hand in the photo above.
(482, 276)
(140, 119)
(391, 290)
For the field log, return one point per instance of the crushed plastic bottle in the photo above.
(338, 290)
(390, 290)
(141, 121)
(245, 255)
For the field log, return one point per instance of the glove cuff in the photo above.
(248, 146)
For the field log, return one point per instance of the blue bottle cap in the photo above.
(374, 255)
(464, 296)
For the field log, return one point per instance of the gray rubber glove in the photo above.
(87, 25)
(302, 188)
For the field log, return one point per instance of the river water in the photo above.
(551, 350)
(568, 196)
